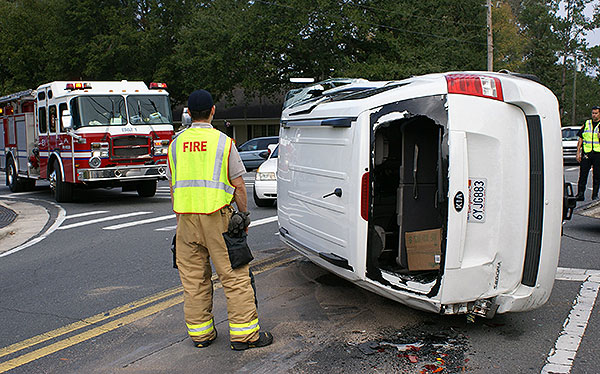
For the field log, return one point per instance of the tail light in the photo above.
(364, 197)
(475, 85)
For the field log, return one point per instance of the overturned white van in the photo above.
(443, 192)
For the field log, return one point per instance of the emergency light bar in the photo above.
(78, 86)
(155, 85)
(475, 85)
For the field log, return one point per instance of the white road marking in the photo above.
(78, 224)
(137, 223)
(258, 222)
(263, 221)
(562, 355)
(168, 228)
(84, 214)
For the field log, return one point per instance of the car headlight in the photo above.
(266, 176)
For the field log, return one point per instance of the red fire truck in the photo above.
(86, 134)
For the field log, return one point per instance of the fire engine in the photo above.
(86, 135)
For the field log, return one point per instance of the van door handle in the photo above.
(337, 192)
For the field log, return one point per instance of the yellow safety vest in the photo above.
(198, 159)
(591, 141)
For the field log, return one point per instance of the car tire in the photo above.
(261, 203)
(146, 188)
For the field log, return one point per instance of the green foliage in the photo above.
(257, 45)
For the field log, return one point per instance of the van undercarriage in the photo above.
(408, 194)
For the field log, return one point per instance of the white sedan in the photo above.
(265, 183)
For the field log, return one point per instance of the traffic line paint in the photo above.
(87, 322)
(59, 220)
(137, 223)
(85, 214)
(167, 228)
(263, 221)
(89, 334)
(252, 224)
(109, 326)
(104, 219)
(562, 355)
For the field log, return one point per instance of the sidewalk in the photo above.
(19, 222)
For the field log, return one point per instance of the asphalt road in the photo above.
(102, 297)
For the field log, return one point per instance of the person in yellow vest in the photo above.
(205, 173)
(588, 155)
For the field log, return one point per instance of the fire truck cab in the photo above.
(86, 134)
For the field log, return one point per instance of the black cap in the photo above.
(200, 100)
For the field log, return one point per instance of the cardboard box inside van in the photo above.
(423, 249)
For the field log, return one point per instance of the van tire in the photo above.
(146, 188)
(261, 203)
(62, 191)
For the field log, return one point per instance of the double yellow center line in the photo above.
(174, 296)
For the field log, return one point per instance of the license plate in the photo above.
(477, 195)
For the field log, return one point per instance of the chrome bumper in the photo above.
(141, 172)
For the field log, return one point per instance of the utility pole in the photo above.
(490, 38)
(574, 100)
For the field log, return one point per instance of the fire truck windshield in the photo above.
(99, 111)
(111, 110)
(152, 109)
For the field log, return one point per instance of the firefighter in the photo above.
(206, 176)
(589, 143)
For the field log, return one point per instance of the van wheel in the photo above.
(62, 191)
(262, 203)
(12, 177)
(146, 188)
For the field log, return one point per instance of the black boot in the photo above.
(580, 197)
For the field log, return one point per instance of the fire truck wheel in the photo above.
(12, 177)
(62, 191)
(146, 188)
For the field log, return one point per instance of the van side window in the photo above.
(42, 120)
(41, 96)
(52, 118)
(61, 108)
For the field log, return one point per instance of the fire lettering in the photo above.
(194, 146)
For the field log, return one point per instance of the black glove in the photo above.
(238, 223)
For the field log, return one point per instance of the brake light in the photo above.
(475, 85)
(364, 197)
(155, 85)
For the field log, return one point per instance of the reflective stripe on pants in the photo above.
(243, 328)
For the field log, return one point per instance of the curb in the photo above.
(29, 221)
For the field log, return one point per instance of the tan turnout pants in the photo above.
(199, 238)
